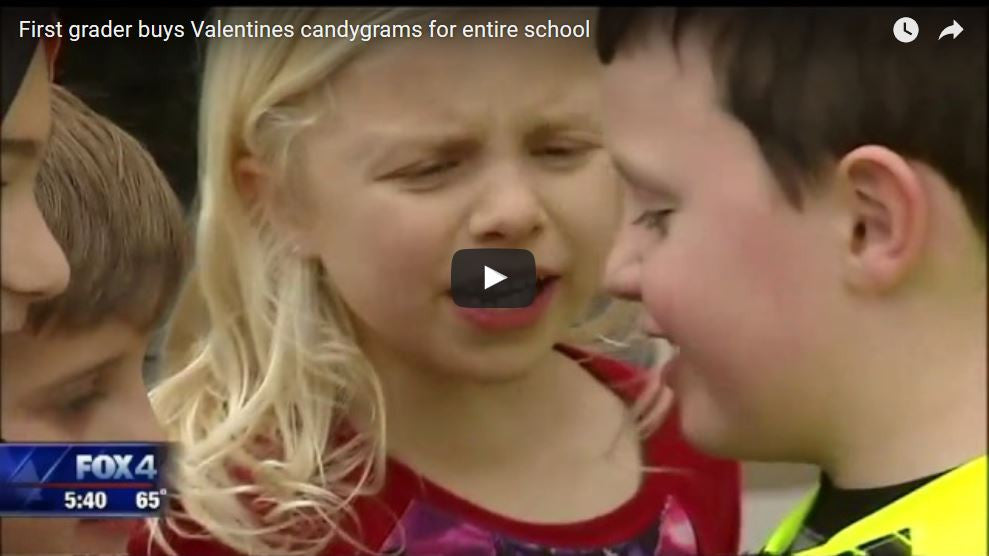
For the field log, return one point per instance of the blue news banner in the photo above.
(82, 480)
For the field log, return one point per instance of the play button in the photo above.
(493, 278)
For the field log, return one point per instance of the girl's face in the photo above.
(436, 146)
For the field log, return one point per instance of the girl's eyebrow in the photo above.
(567, 118)
(548, 127)
(384, 145)
(421, 140)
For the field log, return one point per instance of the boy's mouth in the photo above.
(670, 369)
(654, 331)
(651, 328)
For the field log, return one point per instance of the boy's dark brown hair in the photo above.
(812, 84)
(113, 212)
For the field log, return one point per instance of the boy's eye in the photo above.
(78, 405)
(655, 220)
(150, 363)
(77, 397)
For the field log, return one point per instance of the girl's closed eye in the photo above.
(422, 175)
(658, 220)
(564, 152)
(428, 169)
(564, 148)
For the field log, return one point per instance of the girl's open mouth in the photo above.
(496, 319)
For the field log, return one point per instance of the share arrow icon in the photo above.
(954, 30)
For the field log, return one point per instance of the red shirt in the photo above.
(693, 509)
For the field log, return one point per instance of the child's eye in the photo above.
(655, 220)
(423, 170)
(150, 363)
(434, 169)
(563, 150)
(78, 405)
(76, 398)
(556, 150)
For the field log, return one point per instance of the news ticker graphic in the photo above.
(83, 480)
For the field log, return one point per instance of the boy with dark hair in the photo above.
(807, 227)
(74, 373)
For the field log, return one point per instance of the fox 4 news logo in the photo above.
(111, 467)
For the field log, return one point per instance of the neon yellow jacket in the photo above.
(946, 517)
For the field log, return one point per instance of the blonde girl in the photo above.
(328, 395)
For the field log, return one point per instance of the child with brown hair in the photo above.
(31, 264)
(74, 374)
(806, 223)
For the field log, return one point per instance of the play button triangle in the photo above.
(492, 277)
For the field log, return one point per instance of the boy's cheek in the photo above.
(38, 536)
(681, 280)
(57, 536)
(140, 425)
(34, 428)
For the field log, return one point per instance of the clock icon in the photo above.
(906, 29)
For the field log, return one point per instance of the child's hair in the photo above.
(812, 84)
(114, 214)
(266, 371)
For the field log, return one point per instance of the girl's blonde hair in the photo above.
(267, 371)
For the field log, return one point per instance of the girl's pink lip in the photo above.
(494, 320)
(545, 274)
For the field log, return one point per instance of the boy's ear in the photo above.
(259, 191)
(888, 209)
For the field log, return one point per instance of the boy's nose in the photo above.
(33, 264)
(622, 276)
